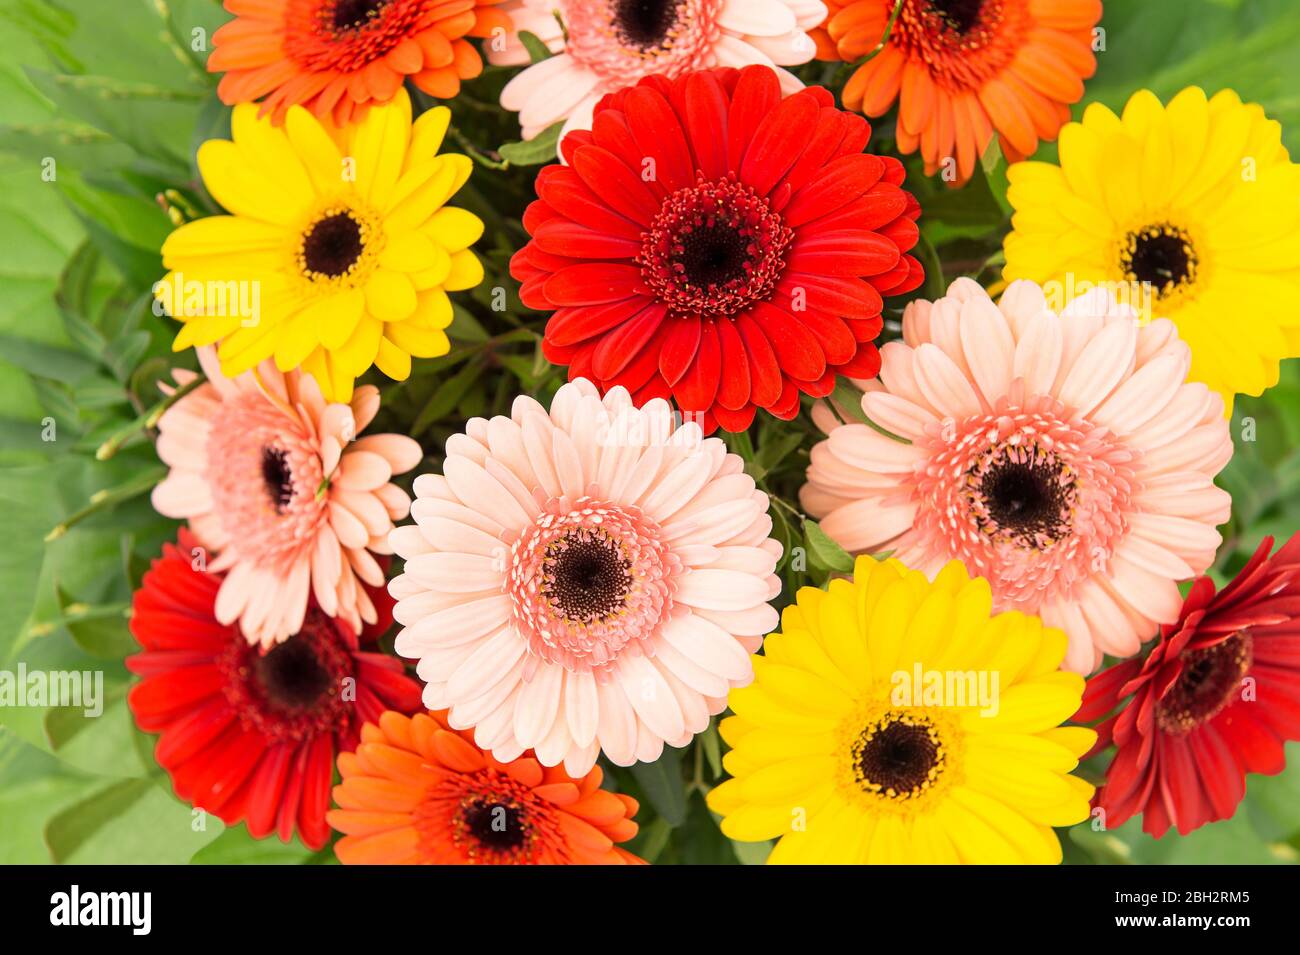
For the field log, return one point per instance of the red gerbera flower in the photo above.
(1218, 697)
(249, 735)
(712, 242)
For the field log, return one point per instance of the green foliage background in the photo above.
(117, 96)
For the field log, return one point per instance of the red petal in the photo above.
(568, 326)
(797, 350)
(839, 183)
(734, 387)
(706, 120)
(593, 283)
(623, 344)
(660, 137)
(757, 94)
(620, 188)
(778, 142)
(571, 197)
(681, 340)
(764, 372)
(562, 237)
(697, 388)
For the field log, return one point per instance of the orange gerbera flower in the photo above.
(336, 57)
(417, 791)
(964, 69)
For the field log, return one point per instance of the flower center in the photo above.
(1161, 256)
(263, 468)
(277, 477)
(714, 249)
(1022, 495)
(1030, 496)
(293, 691)
(1209, 681)
(958, 15)
(961, 42)
(585, 576)
(332, 246)
(644, 23)
(351, 14)
(588, 579)
(498, 826)
(899, 756)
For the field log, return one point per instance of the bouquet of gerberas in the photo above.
(709, 474)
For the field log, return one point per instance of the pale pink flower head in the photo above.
(613, 43)
(1064, 458)
(590, 578)
(281, 494)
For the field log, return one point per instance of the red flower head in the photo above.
(709, 241)
(249, 735)
(1218, 697)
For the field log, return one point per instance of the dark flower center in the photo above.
(1209, 681)
(295, 690)
(1026, 499)
(714, 249)
(496, 825)
(586, 576)
(713, 255)
(277, 477)
(899, 756)
(350, 14)
(1159, 255)
(958, 15)
(644, 23)
(292, 675)
(332, 246)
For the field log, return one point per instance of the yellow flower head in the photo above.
(895, 720)
(338, 253)
(1192, 209)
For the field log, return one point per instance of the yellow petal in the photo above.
(466, 272)
(392, 361)
(390, 296)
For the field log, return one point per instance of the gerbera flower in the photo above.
(246, 734)
(711, 242)
(417, 791)
(281, 497)
(1064, 458)
(337, 57)
(601, 46)
(1189, 208)
(1218, 697)
(587, 579)
(962, 70)
(847, 750)
(335, 263)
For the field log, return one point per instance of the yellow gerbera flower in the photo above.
(894, 720)
(338, 253)
(1193, 209)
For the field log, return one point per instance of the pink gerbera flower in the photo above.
(272, 483)
(1064, 458)
(592, 578)
(610, 44)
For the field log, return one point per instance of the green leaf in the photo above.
(534, 152)
(537, 50)
(824, 552)
(130, 821)
(662, 783)
(236, 847)
(446, 397)
(847, 400)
